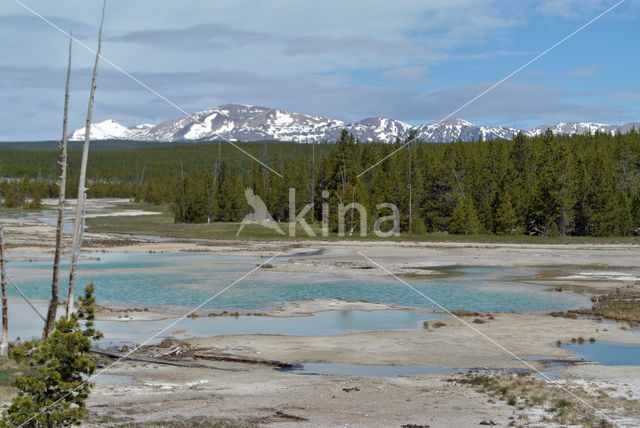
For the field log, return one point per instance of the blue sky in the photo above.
(415, 61)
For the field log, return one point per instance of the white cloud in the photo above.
(573, 9)
(346, 60)
(406, 73)
(583, 72)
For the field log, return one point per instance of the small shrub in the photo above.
(168, 342)
(436, 324)
(537, 400)
(562, 404)
(481, 380)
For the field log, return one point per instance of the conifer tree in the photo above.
(504, 221)
(56, 394)
(465, 218)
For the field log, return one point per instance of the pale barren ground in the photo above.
(159, 395)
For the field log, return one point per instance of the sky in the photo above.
(415, 61)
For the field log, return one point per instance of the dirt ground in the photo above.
(148, 394)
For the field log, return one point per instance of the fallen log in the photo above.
(232, 359)
(120, 355)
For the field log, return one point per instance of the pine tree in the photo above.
(465, 218)
(504, 219)
(56, 394)
(618, 221)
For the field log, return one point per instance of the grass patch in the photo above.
(9, 374)
(622, 310)
(163, 225)
(561, 407)
(617, 305)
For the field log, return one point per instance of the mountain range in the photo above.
(240, 122)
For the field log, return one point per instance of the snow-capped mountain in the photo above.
(240, 122)
(235, 122)
(568, 128)
(458, 129)
(378, 129)
(106, 130)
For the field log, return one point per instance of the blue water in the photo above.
(26, 325)
(607, 353)
(188, 279)
(319, 324)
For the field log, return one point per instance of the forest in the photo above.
(580, 185)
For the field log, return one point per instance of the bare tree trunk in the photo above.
(4, 345)
(313, 179)
(78, 227)
(265, 173)
(353, 202)
(62, 186)
(410, 192)
(184, 218)
(344, 174)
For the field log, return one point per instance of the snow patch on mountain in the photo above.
(242, 122)
(569, 128)
(106, 130)
(458, 129)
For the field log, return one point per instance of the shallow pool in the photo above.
(186, 280)
(607, 353)
(26, 325)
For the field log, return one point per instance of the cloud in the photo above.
(347, 60)
(516, 100)
(406, 73)
(19, 22)
(215, 35)
(521, 100)
(572, 9)
(630, 96)
(122, 99)
(584, 72)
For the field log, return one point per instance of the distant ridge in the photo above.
(241, 122)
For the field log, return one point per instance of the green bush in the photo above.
(55, 395)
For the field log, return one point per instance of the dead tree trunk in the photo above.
(184, 208)
(410, 186)
(4, 345)
(265, 172)
(62, 186)
(78, 227)
(313, 179)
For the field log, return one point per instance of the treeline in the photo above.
(547, 185)
(123, 168)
